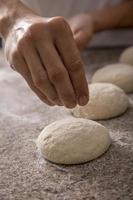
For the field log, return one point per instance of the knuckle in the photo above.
(60, 20)
(57, 75)
(40, 80)
(75, 66)
(33, 29)
(36, 28)
(27, 35)
(59, 23)
(24, 40)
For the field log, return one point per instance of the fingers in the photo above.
(81, 40)
(22, 68)
(58, 74)
(82, 26)
(38, 72)
(52, 64)
(71, 58)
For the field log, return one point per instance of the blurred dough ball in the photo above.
(73, 141)
(106, 101)
(118, 74)
(127, 56)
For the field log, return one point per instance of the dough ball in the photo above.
(118, 74)
(106, 101)
(127, 56)
(73, 141)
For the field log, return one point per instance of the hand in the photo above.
(82, 26)
(44, 52)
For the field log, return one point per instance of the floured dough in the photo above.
(106, 101)
(127, 56)
(73, 141)
(118, 74)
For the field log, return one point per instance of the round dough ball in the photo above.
(106, 101)
(118, 74)
(127, 56)
(73, 141)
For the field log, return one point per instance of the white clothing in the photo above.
(67, 8)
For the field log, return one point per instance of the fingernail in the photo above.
(71, 105)
(83, 100)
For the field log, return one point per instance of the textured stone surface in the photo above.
(24, 175)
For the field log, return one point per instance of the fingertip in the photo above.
(83, 100)
(71, 105)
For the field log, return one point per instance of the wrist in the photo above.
(99, 21)
(113, 17)
(10, 14)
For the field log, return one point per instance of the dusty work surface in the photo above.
(24, 175)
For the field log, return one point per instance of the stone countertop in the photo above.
(24, 175)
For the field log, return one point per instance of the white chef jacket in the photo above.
(67, 8)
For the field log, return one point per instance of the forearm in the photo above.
(118, 16)
(10, 12)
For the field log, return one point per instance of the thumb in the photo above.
(82, 39)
